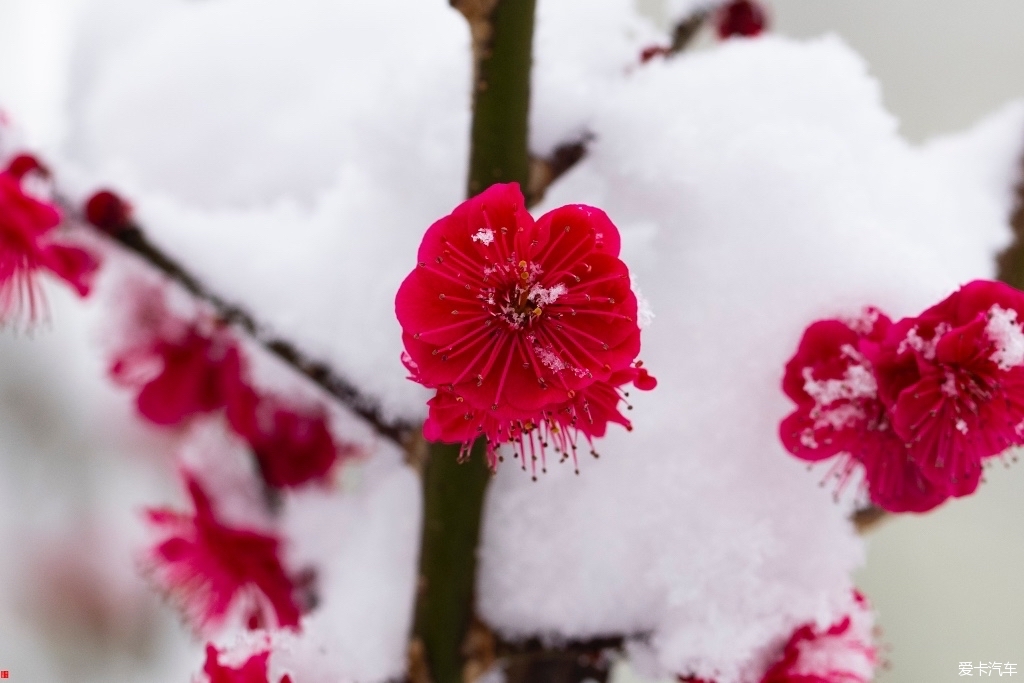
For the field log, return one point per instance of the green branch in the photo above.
(502, 33)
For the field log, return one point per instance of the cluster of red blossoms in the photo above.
(182, 369)
(527, 329)
(252, 670)
(841, 653)
(30, 243)
(921, 404)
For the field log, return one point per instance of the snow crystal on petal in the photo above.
(485, 236)
(1005, 332)
(546, 295)
(857, 382)
(926, 347)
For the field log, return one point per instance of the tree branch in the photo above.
(686, 30)
(133, 239)
(572, 662)
(545, 171)
(502, 32)
(1011, 261)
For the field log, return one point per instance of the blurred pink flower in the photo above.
(213, 568)
(292, 445)
(181, 375)
(27, 246)
(252, 670)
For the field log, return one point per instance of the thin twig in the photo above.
(686, 30)
(546, 170)
(868, 518)
(133, 239)
(1011, 261)
(570, 662)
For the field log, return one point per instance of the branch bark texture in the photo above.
(133, 239)
(502, 33)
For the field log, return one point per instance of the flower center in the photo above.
(520, 298)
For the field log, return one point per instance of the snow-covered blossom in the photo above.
(839, 413)
(953, 380)
(27, 246)
(216, 571)
(252, 670)
(921, 403)
(740, 18)
(842, 653)
(513, 320)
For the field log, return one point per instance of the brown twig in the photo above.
(546, 170)
(868, 518)
(1011, 261)
(686, 30)
(133, 239)
(571, 662)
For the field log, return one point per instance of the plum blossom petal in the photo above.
(522, 326)
(213, 569)
(28, 246)
(839, 413)
(953, 379)
(292, 444)
(842, 653)
(252, 670)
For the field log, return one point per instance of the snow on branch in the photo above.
(130, 235)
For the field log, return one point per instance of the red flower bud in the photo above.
(108, 212)
(740, 18)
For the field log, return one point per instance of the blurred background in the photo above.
(949, 586)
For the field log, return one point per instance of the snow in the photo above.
(779, 193)
(484, 236)
(580, 49)
(680, 10)
(294, 154)
(1005, 332)
(857, 382)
